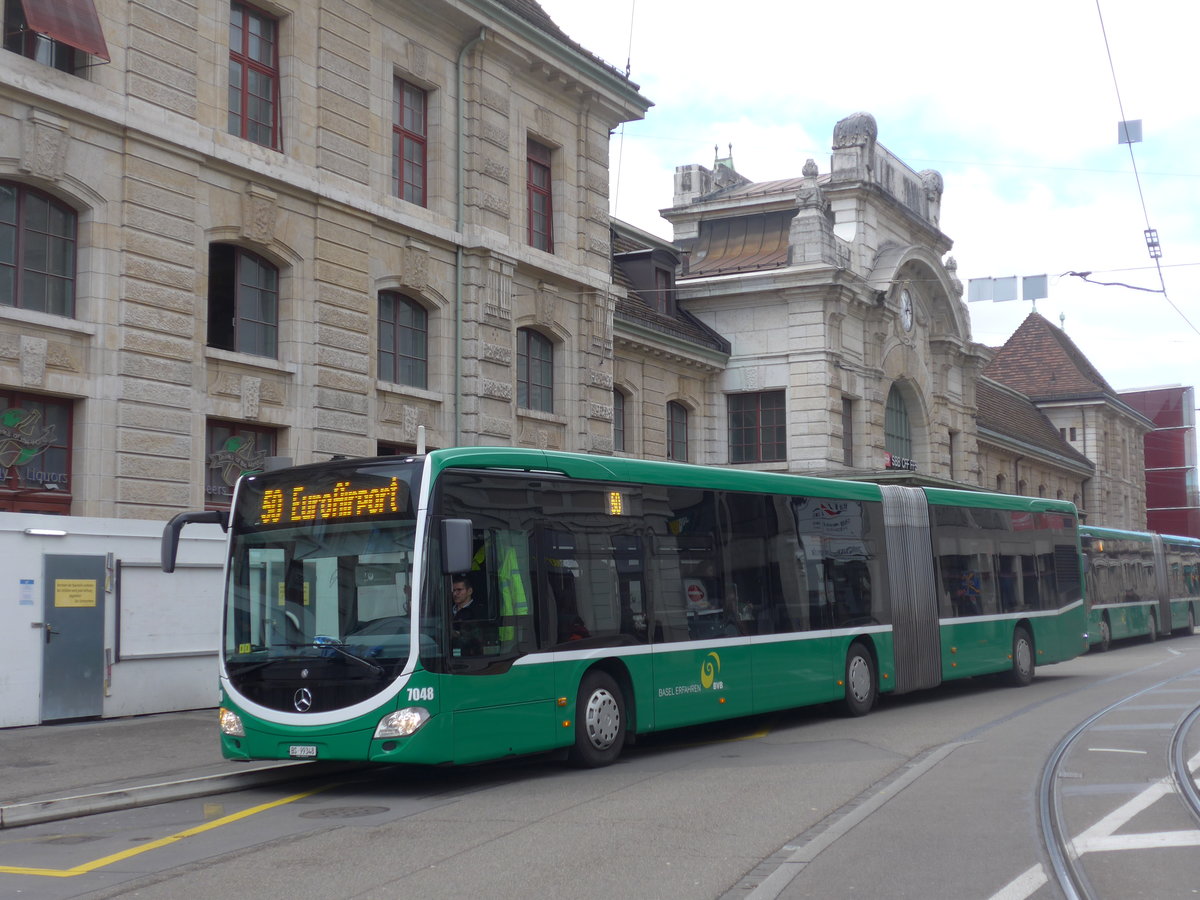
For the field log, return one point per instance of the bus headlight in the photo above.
(402, 722)
(231, 723)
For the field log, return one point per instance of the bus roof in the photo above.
(617, 468)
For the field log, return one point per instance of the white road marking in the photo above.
(1102, 837)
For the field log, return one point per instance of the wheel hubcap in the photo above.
(602, 719)
(859, 679)
(1024, 656)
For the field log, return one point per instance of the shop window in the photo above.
(233, 449)
(35, 453)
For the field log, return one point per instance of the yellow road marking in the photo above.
(161, 842)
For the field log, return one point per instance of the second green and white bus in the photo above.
(1139, 584)
(612, 597)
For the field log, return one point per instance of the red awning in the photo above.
(71, 22)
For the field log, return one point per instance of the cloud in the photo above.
(1015, 104)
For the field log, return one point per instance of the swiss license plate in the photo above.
(302, 751)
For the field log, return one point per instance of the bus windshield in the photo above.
(320, 585)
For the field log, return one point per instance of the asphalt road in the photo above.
(932, 796)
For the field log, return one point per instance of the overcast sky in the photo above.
(1015, 104)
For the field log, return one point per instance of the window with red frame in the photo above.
(37, 251)
(233, 449)
(409, 133)
(757, 427)
(253, 75)
(35, 453)
(541, 206)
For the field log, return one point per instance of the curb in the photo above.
(35, 812)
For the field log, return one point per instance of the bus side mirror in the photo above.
(170, 535)
(458, 550)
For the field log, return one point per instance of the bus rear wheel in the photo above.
(862, 687)
(1023, 666)
(599, 721)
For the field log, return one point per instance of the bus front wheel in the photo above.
(861, 684)
(1105, 635)
(599, 721)
(1023, 666)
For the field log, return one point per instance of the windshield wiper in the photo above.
(327, 643)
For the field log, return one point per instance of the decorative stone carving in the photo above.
(33, 361)
(497, 353)
(600, 379)
(44, 141)
(260, 209)
(414, 266)
(547, 303)
(497, 390)
(497, 300)
(602, 326)
(251, 388)
(856, 130)
(498, 427)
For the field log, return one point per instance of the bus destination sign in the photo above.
(344, 501)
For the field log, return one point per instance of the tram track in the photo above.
(1065, 851)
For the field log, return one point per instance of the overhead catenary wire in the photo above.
(1138, 181)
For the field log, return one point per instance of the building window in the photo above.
(618, 421)
(897, 437)
(757, 427)
(1001, 484)
(535, 371)
(243, 301)
(847, 432)
(253, 75)
(37, 251)
(232, 450)
(403, 340)
(541, 207)
(35, 453)
(409, 132)
(677, 432)
(664, 291)
(59, 34)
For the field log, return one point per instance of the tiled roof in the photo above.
(1007, 413)
(633, 308)
(1041, 362)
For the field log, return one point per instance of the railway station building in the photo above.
(234, 231)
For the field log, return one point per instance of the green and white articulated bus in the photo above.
(1139, 584)
(611, 597)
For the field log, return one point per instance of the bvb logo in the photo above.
(709, 670)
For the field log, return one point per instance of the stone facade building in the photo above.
(231, 231)
(1044, 364)
(851, 350)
